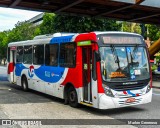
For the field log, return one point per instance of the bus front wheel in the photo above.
(24, 83)
(72, 97)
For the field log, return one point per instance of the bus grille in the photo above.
(127, 87)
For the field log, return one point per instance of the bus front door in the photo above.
(11, 66)
(87, 65)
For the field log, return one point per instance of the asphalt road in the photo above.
(17, 104)
(146, 111)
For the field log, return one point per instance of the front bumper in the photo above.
(106, 102)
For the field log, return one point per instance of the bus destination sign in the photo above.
(114, 39)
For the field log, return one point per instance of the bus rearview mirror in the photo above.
(97, 56)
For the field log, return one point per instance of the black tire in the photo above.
(72, 97)
(24, 83)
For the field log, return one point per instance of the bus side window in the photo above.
(51, 54)
(38, 54)
(27, 56)
(19, 55)
(67, 55)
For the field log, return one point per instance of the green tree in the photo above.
(153, 32)
(22, 31)
(131, 27)
(47, 25)
(3, 43)
(67, 23)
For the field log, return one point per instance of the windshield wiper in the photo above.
(116, 58)
(133, 55)
(134, 51)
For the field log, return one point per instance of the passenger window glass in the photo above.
(19, 55)
(38, 54)
(27, 58)
(67, 55)
(51, 54)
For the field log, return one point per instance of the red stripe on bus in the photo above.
(10, 67)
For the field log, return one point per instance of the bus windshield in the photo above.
(124, 63)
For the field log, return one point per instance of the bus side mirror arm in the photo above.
(94, 75)
(97, 56)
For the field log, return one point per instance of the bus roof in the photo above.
(30, 42)
(66, 37)
(40, 39)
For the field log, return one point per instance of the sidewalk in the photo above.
(156, 84)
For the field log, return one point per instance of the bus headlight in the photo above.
(108, 91)
(148, 87)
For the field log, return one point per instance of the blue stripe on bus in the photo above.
(49, 73)
(46, 73)
(18, 69)
(129, 92)
(62, 39)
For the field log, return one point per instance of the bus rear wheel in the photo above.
(24, 83)
(72, 97)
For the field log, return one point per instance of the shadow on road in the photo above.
(111, 112)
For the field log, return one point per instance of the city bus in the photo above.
(103, 70)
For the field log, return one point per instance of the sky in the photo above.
(9, 17)
(154, 3)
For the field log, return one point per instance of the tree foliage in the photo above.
(3, 42)
(153, 32)
(131, 27)
(67, 23)
(22, 31)
(47, 25)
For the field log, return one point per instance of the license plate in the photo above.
(130, 100)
